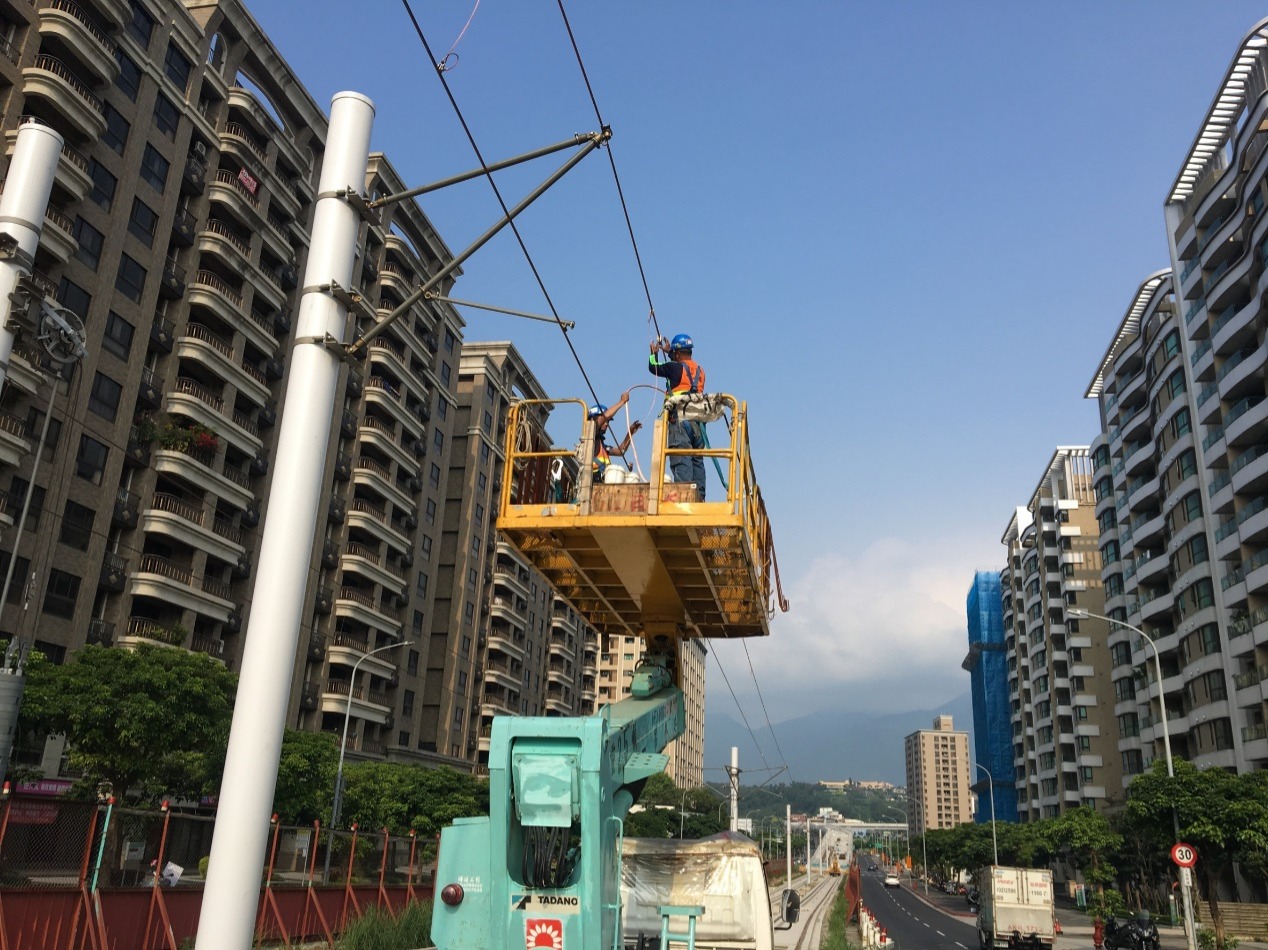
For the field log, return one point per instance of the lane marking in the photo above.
(958, 944)
(940, 933)
(925, 924)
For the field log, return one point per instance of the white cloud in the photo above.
(862, 624)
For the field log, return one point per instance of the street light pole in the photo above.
(990, 780)
(1078, 613)
(336, 808)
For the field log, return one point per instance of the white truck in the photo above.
(1016, 908)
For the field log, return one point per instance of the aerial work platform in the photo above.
(641, 557)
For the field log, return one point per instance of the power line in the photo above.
(727, 680)
(769, 725)
(453, 102)
(620, 192)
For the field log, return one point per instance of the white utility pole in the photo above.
(23, 205)
(234, 873)
(734, 772)
(788, 841)
(807, 847)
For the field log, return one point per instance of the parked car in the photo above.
(891, 880)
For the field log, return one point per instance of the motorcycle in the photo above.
(1140, 934)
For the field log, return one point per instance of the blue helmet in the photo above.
(596, 410)
(682, 342)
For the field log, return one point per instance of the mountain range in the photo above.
(831, 744)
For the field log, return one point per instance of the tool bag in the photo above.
(695, 407)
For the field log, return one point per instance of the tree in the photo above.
(306, 777)
(1084, 837)
(150, 721)
(1224, 816)
(403, 797)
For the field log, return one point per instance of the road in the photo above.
(911, 923)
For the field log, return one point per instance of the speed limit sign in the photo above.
(1185, 855)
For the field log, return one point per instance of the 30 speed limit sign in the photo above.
(1184, 855)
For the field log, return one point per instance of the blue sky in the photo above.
(904, 232)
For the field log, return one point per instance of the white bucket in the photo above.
(632, 478)
(614, 475)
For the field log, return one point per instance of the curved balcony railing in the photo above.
(59, 69)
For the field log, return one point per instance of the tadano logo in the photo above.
(558, 903)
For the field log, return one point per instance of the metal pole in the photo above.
(28, 184)
(788, 843)
(807, 848)
(734, 772)
(1190, 935)
(990, 784)
(232, 892)
(682, 814)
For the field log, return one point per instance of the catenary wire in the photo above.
(727, 680)
(765, 714)
(453, 102)
(620, 192)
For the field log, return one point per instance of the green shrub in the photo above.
(377, 930)
(1208, 941)
(837, 935)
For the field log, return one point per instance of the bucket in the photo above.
(631, 478)
(614, 475)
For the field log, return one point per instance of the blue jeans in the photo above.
(687, 468)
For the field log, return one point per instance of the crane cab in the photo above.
(641, 555)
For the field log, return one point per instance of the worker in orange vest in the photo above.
(682, 374)
(603, 416)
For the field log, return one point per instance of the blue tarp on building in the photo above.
(987, 664)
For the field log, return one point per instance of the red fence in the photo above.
(79, 876)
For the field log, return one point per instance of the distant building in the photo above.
(852, 783)
(987, 666)
(938, 776)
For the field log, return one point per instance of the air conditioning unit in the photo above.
(200, 149)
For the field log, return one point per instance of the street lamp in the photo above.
(682, 813)
(336, 808)
(990, 781)
(1078, 613)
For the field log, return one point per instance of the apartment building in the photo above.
(937, 762)
(987, 667)
(616, 667)
(177, 230)
(502, 641)
(1218, 241)
(1065, 751)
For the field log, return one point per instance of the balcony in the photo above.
(165, 580)
(50, 79)
(190, 397)
(172, 280)
(374, 519)
(349, 649)
(340, 697)
(230, 189)
(58, 235)
(194, 176)
(13, 440)
(191, 524)
(201, 345)
(210, 291)
(70, 24)
(369, 563)
(382, 435)
(199, 468)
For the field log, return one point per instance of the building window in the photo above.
(411, 663)
(117, 128)
(61, 593)
(488, 421)
(1222, 733)
(421, 586)
(438, 440)
(143, 223)
(450, 339)
(77, 522)
(73, 297)
(468, 612)
(104, 398)
(429, 514)
(154, 169)
(442, 409)
(482, 482)
(129, 79)
(35, 422)
(407, 703)
(433, 477)
(166, 116)
(141, 27)
(90, 463)
(118, 336)
(18, 488)
(21, 569)
(177, 67)
(103, 184)
(426, 547)
(445, 374)
(90, 242)
(472, 577)
(466, 645)
(130, 280)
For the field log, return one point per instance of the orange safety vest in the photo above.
(602, 459)
(692, 378)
